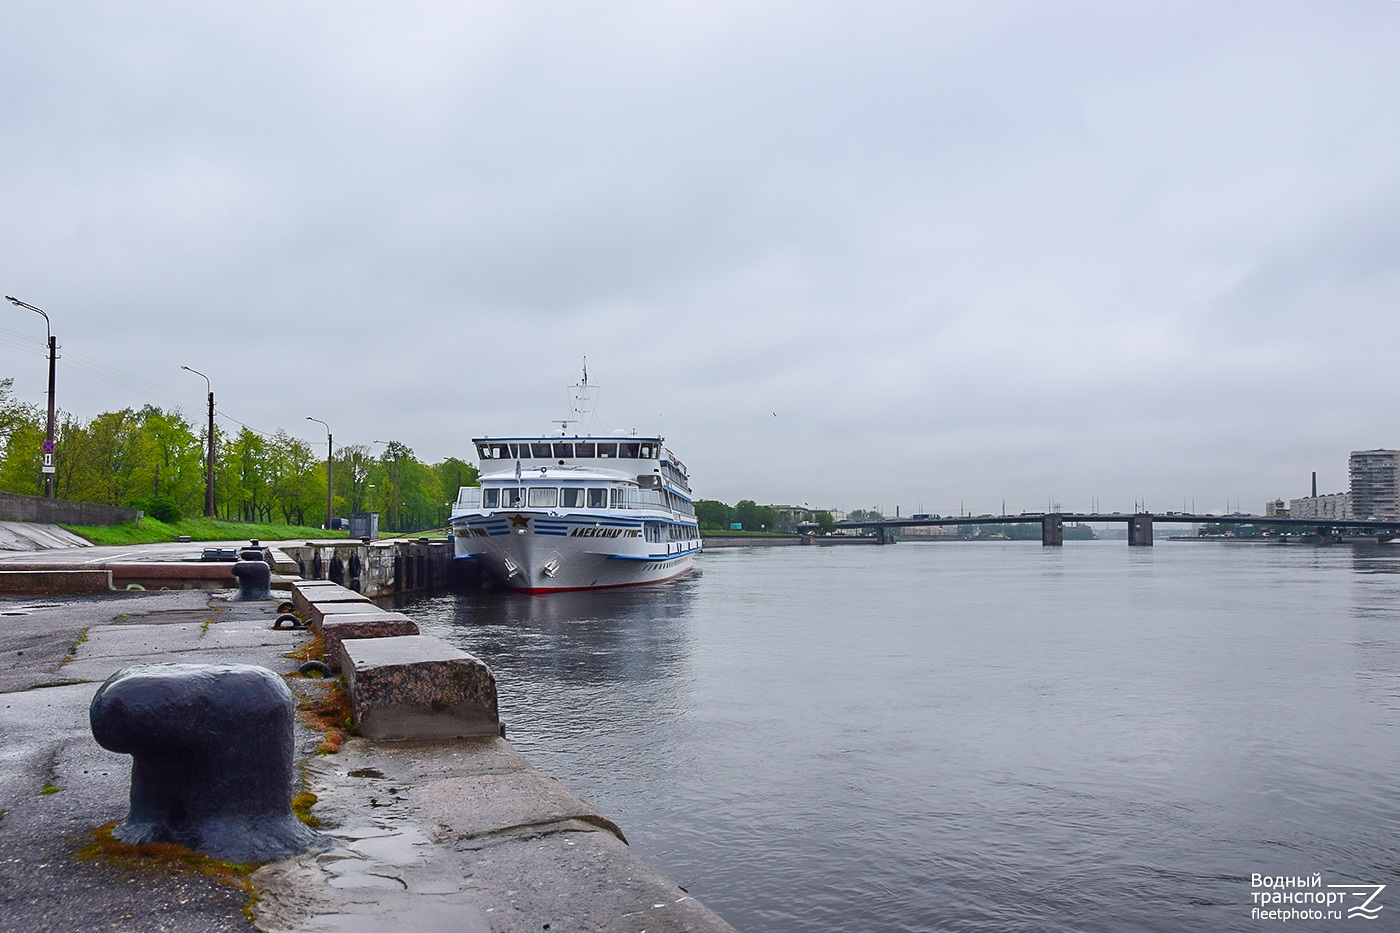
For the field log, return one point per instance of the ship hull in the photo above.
(541, 552)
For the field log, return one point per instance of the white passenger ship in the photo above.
(577, 513)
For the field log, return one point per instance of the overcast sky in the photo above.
(932, 255)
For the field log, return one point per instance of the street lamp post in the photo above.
(48, 468)
(209, 462)
(330, 499)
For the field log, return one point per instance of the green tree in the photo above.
(296, 479)
(169, 462)
(21, 443)
(244, 476)
(353, 464)
(68, 434)
(420, 495)
(825, 521)
(395, 480)
(106, 458)
(153, 459)
(713, 514)
(753, 516)
(452, 474)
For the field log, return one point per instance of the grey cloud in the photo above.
(966, 250)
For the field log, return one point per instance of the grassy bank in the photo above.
(150, 531)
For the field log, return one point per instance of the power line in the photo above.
(221, 414)
(112, 375)
(95, 368)
(27, 341)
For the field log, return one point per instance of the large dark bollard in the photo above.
(211, 748)
(254, 579)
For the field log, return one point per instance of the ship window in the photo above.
(597, 498)
(615, 497)
(512, 451)
(490, 498)
(542, 451)
(510, 498)
(563, 450)
(543, 497)
(647, 453)
(485, 451)
(607, 450)
(583, 450)
(630, 450)
(571, 497)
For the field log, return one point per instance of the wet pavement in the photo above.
(459, 835)
(57, 784)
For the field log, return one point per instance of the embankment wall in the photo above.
(17, 508)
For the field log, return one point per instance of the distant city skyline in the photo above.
(908, 255)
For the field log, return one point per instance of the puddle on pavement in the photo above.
(400, 848)
(25, 610)
(351, 874)
(168, 616)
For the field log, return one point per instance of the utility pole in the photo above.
(209, 461)
(330, 498)
(48, 468)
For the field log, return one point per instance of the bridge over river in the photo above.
(1139, 524)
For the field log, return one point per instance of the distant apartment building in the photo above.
(1334, 506)
(931, 531)
(1276, 509)
(1375, 484)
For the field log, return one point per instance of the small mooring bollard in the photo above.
(254, 579)
(211, 748)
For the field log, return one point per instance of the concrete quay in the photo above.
(45, 558)
(441, 834)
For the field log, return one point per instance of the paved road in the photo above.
(455, 835)
(46, 744)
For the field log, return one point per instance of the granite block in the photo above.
(381, 623)
(321, 611)
(304, 591)
(418, 686)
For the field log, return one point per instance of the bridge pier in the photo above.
(1052, 531)
(1140, 531)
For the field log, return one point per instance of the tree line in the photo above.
(748, 515)
(153, 459)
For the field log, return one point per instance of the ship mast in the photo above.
(582, 403)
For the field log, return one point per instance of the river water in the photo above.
(976, 736)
